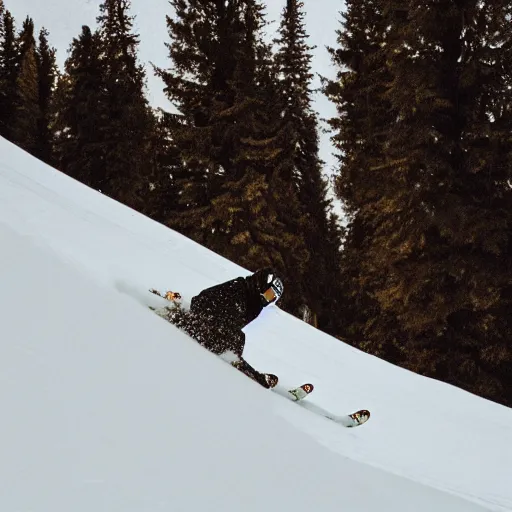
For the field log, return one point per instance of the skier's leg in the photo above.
(267, 380)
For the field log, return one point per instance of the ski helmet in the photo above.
(269, 285)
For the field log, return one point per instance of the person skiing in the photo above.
(218, 314)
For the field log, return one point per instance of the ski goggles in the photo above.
(274, 292)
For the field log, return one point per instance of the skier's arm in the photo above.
(267, 380)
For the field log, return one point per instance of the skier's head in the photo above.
(269, 285)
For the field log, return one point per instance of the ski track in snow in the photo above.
(105, 406)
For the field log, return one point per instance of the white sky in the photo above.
(64, 18)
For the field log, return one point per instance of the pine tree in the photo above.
(268, 231)
(47, 76)
(430, 193)
(27, 76)
(360, 136)
(105, 123)
(161, 199)
(9, 65)
(204, 37)
(301, 165)
(81, 112)
(456, 238)
(226, 132)
(130, 124)
(26, 122)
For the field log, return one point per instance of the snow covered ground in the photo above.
(106, 407)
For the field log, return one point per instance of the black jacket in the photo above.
(222, 311)
(236, 302)
(218, 315)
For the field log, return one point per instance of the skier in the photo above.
(218, 314)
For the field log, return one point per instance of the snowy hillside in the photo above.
(106, 407)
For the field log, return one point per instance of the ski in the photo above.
(294, 394)
(347, 420)
(351, 420)
(299, 394)
(360, 417)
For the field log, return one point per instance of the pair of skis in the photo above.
(299, 394)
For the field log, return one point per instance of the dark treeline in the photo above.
(424, 134)
(423, 138)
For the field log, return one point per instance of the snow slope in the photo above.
(106, 407)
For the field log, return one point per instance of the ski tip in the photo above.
(361, 416)
(308, 388)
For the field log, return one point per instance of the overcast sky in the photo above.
(64, 19)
